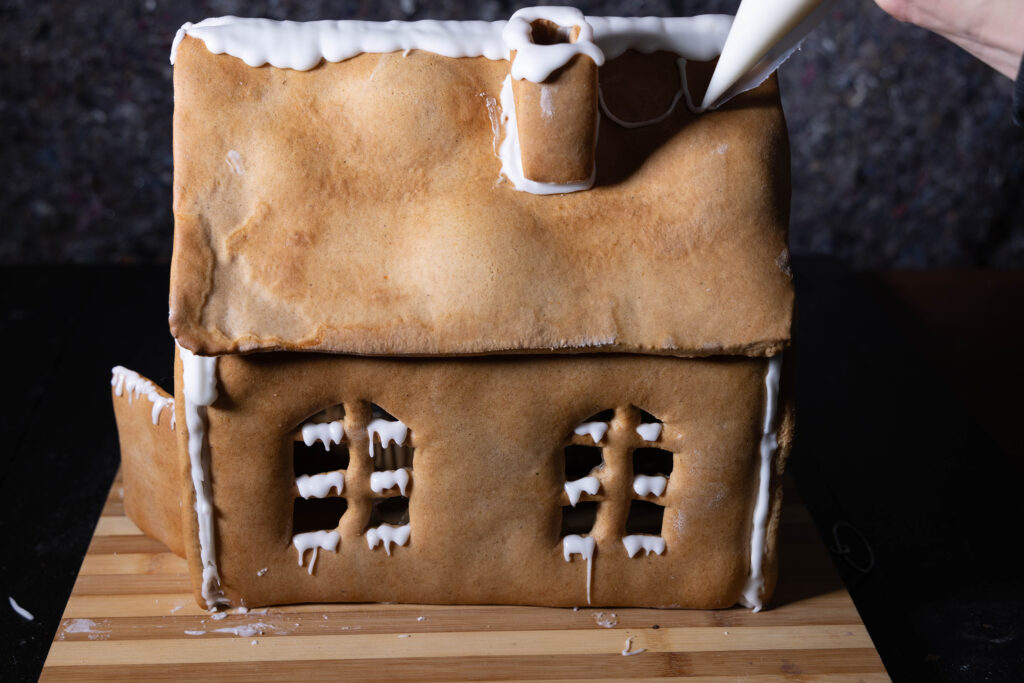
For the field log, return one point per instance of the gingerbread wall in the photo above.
(486, 497)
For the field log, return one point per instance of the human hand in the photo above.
(991, 30)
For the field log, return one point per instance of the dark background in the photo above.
(908, 384)
(904, 153)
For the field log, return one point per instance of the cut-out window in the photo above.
(393, 511)
(390, 446)
(644, 518)
(578, 520)
(317, 514)
(581, 460)
(314, 459)
(652, 461)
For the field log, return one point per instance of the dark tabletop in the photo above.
(908, 451)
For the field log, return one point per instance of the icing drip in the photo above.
(645, 485)
(326, 432)
(199, 379)
(320, 485)
(387, 534)
(575, 488)
(596, 430)
(752, 592)
(585, 547)
(315, 540)
(509, 152)
(650, 431)
(535, 62)
(382, 481)
(387, 431)
(122, 378)
(649, 544)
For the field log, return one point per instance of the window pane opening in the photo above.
(652, 461)
(317, 514)
(394, 511)
(644, 518)
(578, 520)
(581, 460)
(646, 417)
(315, 460)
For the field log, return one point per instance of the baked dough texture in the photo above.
(358, 208)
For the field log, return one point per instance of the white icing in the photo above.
(199, 380)
(575, 488)
(387, 431)
(754, 589)
(509, 153)
(320, 485)
(649, 431)
(585, 547)
(21, 611)
(628, 651)
(382, 481)
(315, 540)
(234, 160)
(649, 544)
(301, 46)
(326, 432)
(387, 534)
(122, 378)
(246, 630)
(645, 485)
(596, 430)
(536, 62)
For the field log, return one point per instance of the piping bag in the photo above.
(764, 35)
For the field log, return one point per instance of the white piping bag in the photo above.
(763, 35)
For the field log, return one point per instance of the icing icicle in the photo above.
(595, 430)
(387, 431)
(387, 534)
(315, 540)
(753, 592)
(382, 481)
(320, 485)
(585, 547)
(649, 431)
(645, 485)
(326, 432)
(574, 489)
(199, 380)
(122, 378)
(649, 544)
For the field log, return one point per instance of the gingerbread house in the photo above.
(469, 312)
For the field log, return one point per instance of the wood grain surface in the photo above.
(132, 616)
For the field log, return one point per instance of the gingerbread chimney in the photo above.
(554, 81)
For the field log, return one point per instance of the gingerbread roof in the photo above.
(371, 204)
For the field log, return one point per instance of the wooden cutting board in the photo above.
(132, 616)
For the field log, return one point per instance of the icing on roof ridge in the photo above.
(303, 45)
